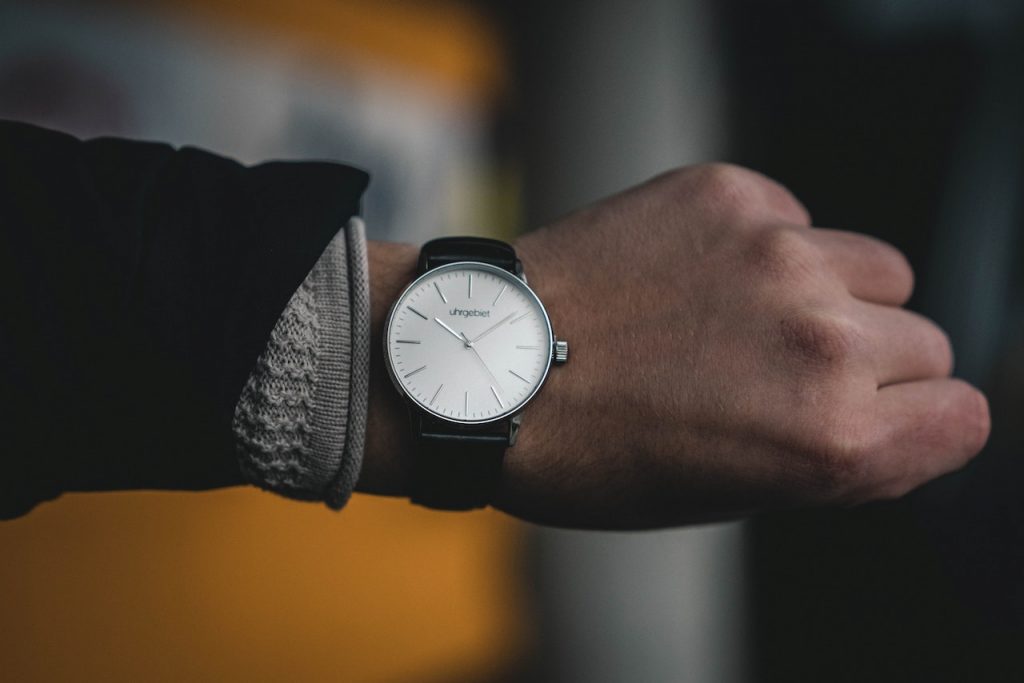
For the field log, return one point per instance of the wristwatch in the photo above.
(468, 344)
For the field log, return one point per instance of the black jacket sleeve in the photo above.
(139, 285)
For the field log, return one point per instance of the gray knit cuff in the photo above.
(300, 422)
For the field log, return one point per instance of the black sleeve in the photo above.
(139, 285)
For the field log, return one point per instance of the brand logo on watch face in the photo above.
(470, 313)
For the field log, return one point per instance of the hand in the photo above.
(726, 359)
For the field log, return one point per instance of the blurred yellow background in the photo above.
(442, 42)
(241, 585)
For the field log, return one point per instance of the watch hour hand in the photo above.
(453, 332)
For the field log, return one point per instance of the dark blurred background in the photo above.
(903, 120)
(899, 118)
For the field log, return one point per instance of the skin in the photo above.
(726, 359)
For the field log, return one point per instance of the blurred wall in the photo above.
(613, 93)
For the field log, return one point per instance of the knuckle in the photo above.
(820, 340)
(900, 266)
(839, 462)
(744, 195)
(734, 193)
(893, 265)
(895, 258)
(979, 420)
(722, 175)
(932, 348)
(940, 350)
(892, 490)
(729, 189)
(783, 253)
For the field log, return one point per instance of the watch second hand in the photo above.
(482, 361)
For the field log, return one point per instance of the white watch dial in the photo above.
(468, 342)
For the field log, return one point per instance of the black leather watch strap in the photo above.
(446, 250)
(458, 467)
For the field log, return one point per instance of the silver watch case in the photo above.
(514, 414)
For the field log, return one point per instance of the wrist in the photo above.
(389, 444)
(541, 439)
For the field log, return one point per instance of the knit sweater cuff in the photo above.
(300, 422)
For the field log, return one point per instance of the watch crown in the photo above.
(561, 352)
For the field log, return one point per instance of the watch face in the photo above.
(468, 342)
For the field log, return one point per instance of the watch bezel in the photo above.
(512, 412)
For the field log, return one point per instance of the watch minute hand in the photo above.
(490, 329)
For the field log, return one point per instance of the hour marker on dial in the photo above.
(503, 288)
(419, 369)
(434, 397)
(417, 313)
(516, 374)
(440, 293)
(407, 341)
(500, 402)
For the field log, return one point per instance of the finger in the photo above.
(928, 428)
(871, 269)
(904, 345)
